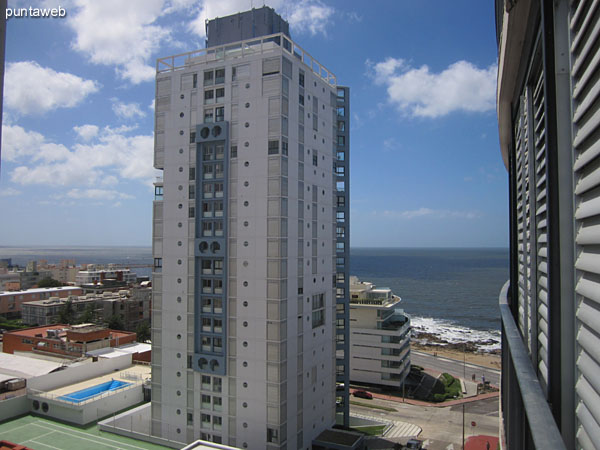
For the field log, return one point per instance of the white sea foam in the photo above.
(455, 334)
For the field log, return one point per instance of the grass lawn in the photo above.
(369, 405)
(44, 434)
(371, 430)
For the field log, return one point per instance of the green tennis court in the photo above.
(43, 434)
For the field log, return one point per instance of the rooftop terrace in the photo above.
(262, 45)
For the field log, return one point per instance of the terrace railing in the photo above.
(527, 419)
(261, 45)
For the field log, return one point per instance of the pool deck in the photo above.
(137, 372)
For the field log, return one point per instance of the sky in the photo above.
(77, 128)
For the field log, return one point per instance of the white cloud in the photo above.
(429, 212)
(9, 192)
(305, 16)
(17, 143)
(124, 34)
(127, 110)
(391, 144)
(112, 157)
(127, 34)
(98, 194)
(32, 89)
(151, 105)
(86, 132)
(422, 93)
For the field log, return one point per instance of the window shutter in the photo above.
(541, 222)
(271, 65)
(585, 63)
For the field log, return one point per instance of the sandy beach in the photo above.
(480, 358)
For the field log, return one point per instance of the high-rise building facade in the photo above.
(549, 124)
(250, 241)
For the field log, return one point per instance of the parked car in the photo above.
(362, 394)
(414, 444)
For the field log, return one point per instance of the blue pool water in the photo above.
(86, 394)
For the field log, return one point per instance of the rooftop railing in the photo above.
(261, 45)
(527, 419)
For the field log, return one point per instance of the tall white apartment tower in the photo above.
(249, 306)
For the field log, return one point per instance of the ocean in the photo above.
(450, 293)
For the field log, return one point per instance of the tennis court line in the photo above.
(38, 437)
(121, 445)
(15, 428)
(41, 443)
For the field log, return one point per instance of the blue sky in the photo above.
(77, 137)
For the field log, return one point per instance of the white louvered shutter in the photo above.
(541, 222)
(523, 219)
(585, 65)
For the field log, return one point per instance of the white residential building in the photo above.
(379, 336)
(249, 240)
(96, 274)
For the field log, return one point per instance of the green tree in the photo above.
(89, 314)
(115, 323)
(66, 314)
(143, 331)
(49, 282)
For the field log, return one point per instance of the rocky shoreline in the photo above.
(430, 340)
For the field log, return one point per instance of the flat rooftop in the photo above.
(235, 50)
(40, 290)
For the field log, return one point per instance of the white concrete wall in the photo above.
(91, 411)
(72, 375)
(13, 407)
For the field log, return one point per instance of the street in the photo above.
(454, 367)
(442, 427)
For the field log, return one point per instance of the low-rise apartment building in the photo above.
(380, 336)
(131, 306)
(96, 274)
(65, 340)
(11, 303)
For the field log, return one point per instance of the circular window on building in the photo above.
(36, 405)
(45, 407)
(205, 132)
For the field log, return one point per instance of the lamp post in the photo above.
(463, 405)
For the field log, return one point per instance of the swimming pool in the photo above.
(88, 393)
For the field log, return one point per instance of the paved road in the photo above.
(441, 426)
(454, 367)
